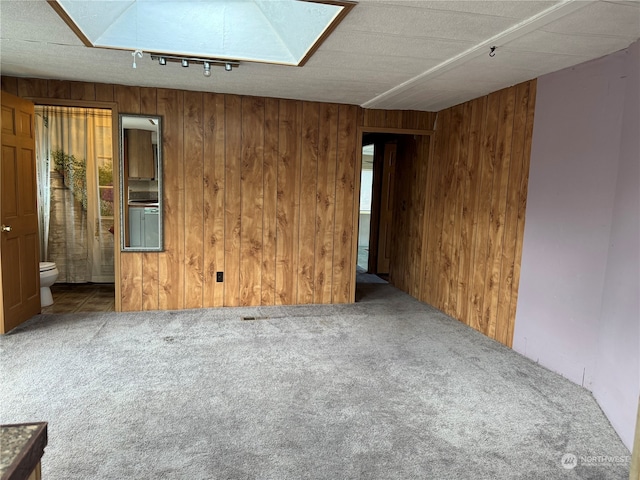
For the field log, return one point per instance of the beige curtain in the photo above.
(78, 152)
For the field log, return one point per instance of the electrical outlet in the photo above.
(219, 276)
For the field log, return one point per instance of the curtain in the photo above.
(75, 190)
(43, 180)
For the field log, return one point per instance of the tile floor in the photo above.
(82, 297)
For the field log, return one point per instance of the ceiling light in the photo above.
(136, 53)
(207, 63)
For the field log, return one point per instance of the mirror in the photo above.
(141, 183)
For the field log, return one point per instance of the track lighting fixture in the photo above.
(206, 63)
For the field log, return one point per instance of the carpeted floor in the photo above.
(388, 388)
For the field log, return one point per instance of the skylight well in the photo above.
(285, 32)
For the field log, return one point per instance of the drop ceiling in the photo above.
(419, 55)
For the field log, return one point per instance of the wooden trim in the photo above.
(376, 208)
(57, 102)
(343, 291)
(9, 85)
(115, 146)
(397, 131)
(347, 6)
(68, 20)
(426, 219)
(356, 217)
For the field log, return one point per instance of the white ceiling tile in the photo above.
(503, 74)
(425, 96)
(633, 3)
(459, 83)
(498, 8)
(419, 21)
(398, 45)
(600, 18)
(368, 63)
(516, 9)
(561, 43)
(16, 22)
(521, 60)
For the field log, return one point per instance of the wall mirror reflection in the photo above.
(141, 182)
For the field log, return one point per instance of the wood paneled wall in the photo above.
(465, 259)
(410, 206)
(262, 189)
(265, 190)
(397, 119)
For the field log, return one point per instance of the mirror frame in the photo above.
(124, 201)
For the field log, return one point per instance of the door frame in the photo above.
(376, 207)
(358, 173)
(382, 172)
(113, 106)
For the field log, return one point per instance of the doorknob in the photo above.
(6, 228)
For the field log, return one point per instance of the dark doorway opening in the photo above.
(388, 232)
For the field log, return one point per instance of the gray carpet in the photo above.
(388, 388)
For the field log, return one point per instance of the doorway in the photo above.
(369, 276)
(74, 164)
(390, 220)
(364, 220)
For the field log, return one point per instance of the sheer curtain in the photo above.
(43, 179)
(75, 190)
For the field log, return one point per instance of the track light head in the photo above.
(207, 63)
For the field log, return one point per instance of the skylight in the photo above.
(271, 31)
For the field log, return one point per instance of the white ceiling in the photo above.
(420, 55)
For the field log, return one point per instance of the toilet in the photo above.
(48, 276)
